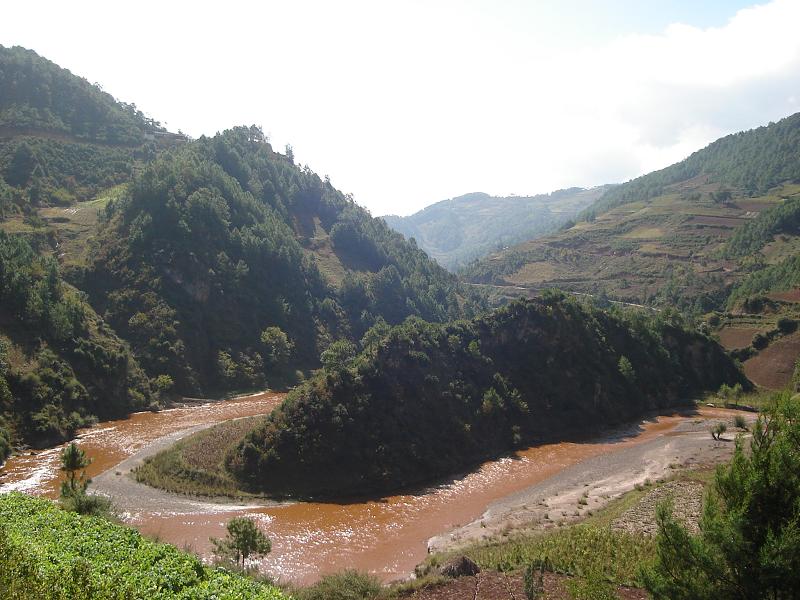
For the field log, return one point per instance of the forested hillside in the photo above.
(61, 366)
(224, 264)
(461, 229)
(63, 139)
(38, 95)
(136, 266)
(751, 162)
(683, 236)
(424, 400)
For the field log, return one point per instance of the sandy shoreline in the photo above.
(130, 496)
(564, 497)
(597, 481)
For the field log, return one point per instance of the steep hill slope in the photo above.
(425, 400)
(663, 238)
(461, 229)
(223, 248)
(216, 264)
(63, 139)
(61, 366)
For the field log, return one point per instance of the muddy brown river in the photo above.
(386, 536)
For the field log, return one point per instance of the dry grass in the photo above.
(772, 367)
(195, 465)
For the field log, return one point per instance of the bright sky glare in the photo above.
(409, 102)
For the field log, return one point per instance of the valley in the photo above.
(316, 538)
(221, 378)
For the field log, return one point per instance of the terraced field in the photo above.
(668, 247)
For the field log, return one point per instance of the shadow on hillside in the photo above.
(615, 434)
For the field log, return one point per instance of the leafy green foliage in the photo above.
(76, 368)
(5, 441)
(430, 399)
(591, 588)
(243, 540)
(626, 369)
(749, 542)
(205, 253)
(277, 346)
(48, 553)
(338, 355)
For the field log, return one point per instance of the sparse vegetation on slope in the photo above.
(679, 237)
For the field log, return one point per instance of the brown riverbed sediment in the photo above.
(386, 536)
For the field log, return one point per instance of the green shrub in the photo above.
(533, 581)
(760, 341)
(748, 545)
(579, 551)
(717, 430)
(347, 585)
(591, 588)
(5, 439)
(786, 325)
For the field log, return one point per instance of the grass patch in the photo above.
(195, 465)
(347, 585)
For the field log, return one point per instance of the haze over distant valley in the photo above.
(459, 230)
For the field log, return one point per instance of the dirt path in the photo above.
(592, 483)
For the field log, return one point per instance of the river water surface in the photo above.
(386, 536)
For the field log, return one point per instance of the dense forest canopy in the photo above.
(60, 365)
(37, 94)
(423, 400)
(211, 247)
(63, 139)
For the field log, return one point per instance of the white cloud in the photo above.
(408, 103)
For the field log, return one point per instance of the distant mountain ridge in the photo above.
(683, 236)
(461, 229)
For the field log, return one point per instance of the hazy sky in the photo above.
(406, 103)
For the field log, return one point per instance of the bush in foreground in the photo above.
(749, 541)
(48, 553)
(347, 585)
